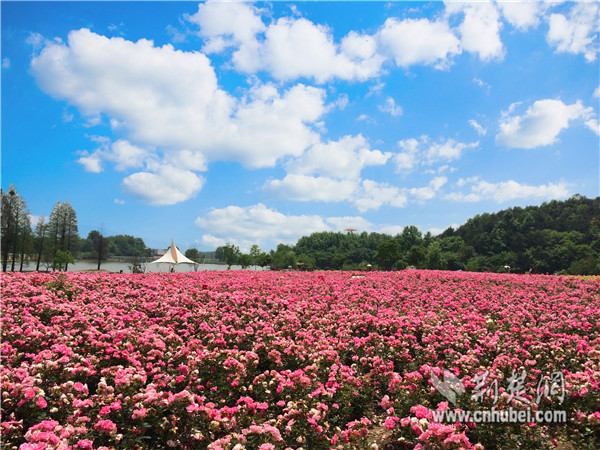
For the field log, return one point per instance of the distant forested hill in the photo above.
(558, 236)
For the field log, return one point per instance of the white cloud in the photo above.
(299, 48)
(344, 158)
(480, 130)
(480, 29)
(91, 162)
(540, 125)
(428, 192)
(122, 153)
(577, 33)
(168, 186)
(414, 152)
(259, 224)
(481, 83)
(125, 155)
(523, 14)
(293, 47)
(169, 101)
(592, 124)
(329, 172)
(342, 223)
(373, 195)
(596, 93)
(448, 150)
(119, 201)
(5, 63)
(392, 230)
(408, 158)
(36, 40)
(256, 224)
(510, 190)
(288, 48)
(226, 25)
(304, 188)
(411, 42)
(390, 107)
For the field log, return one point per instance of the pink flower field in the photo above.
(272, 360)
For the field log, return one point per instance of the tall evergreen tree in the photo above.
(16, 227)
(40, 244)
(63, 229)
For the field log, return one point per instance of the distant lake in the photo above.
(112, 266)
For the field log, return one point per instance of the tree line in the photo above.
(55, 242)
(555, 237)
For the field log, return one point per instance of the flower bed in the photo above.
(270, 360)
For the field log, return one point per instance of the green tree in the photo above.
(40, 244)
(283, 258)
(231, 254)
(264, 259)
(307, 262)
(99, 246)
(63, 230)
(388, 252)
(434, 257)
(126, 245)
(415, 256)
(338, 260)
(255, 252)
(193, 254)
(62, 259)
(16, 227)
(245, 260)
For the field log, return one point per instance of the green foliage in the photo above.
(126, 245)
(264, 259)
(62, 259)
(193, 254)
(305, 262)
(245, 260)
(283, 258)
(231, 253)
(388, 252)
(558, 236)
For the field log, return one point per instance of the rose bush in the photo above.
(270, 360)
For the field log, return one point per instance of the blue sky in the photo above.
(262, 122)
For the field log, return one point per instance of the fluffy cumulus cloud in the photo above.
(409, 42)
(540, 125)
(256, 224)
(373, 195)
(418, 152)
(428, 192)
(288, 48)
(259, 224)
(169, 185)
(480, 28)
(522, 15)
(235, 24)
(331, 172)
(344, 158)
(510, 190)
(291, 47)
(169, 101)
(305, 188)
(576, 32)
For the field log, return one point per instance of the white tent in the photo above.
(173, 256)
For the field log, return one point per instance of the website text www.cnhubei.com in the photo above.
(494, 415)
